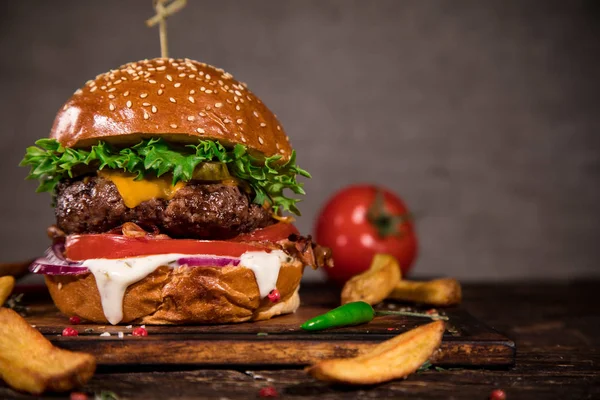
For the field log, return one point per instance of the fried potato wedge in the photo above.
(30, 363)
(438, 292)
(393, 359)
(376, 283)
(7, 284)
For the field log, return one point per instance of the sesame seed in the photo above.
(192, 91)
(65, 107)
(239, 120)
(260, 140)
(174, 126)
(207, 76)
(112, 89)
(219, 105)
(103, 87)
(143, 95)
(177, 84)
(243, 139)
(161, 68)
(209, 91)
(126, 94)
(200, 130)
(146, 116)
(162, 85)
(191, 118)
(172, 100)
(118, 81)
(227, 120)
(170, 78)
(146, 104)
(202, 89)
(237, 107)
(154, 109)
(93, 89)
(281, 151)
(128, 103)
(255, 114)
(236, 99)
(111, 96)
(182, 74)
(238, 93)
(191, 99)
(263, 124)
(160, 91)
(111, 107)
(202, 114)
(191, 76)
(152, 81)
(278, 127)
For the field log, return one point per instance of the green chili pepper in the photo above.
(354, 313)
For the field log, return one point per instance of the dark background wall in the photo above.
(484, 116)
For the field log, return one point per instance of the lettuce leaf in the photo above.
(51, 162)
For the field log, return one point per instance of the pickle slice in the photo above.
(211, 171)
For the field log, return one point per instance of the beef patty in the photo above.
(201, 211)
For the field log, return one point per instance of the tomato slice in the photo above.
(84, 247)
(272, 233)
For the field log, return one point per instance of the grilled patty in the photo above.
(200, 211)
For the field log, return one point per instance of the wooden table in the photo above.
(556, 328)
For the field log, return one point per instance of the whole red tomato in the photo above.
(360, 221)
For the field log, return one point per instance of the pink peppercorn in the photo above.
(139, 332)
(268, 391)
(75, 320)
(274, 296)
(68, 331)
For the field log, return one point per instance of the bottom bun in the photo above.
(183, 295)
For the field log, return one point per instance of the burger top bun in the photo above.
(180, 100)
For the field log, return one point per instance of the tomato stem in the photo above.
(385, 223)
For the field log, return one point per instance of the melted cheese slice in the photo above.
(135, 192)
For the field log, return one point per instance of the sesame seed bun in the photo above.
(180, 100)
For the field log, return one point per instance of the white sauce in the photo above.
(114, 276)
(265, 267)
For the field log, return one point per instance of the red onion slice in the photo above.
(54, 263)
(39, 267)
(208, 261)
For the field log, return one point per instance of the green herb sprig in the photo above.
(51, 162)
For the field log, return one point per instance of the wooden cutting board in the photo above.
(279, 341)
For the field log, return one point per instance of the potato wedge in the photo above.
(392, 359)
(376, 283)
(7, 284)
(438, 292)
(30, 363)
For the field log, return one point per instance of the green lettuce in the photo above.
(51, 162)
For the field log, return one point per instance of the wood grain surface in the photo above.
(278, 341)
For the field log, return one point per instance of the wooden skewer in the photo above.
(163, 11)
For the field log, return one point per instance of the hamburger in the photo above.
(169, 180)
